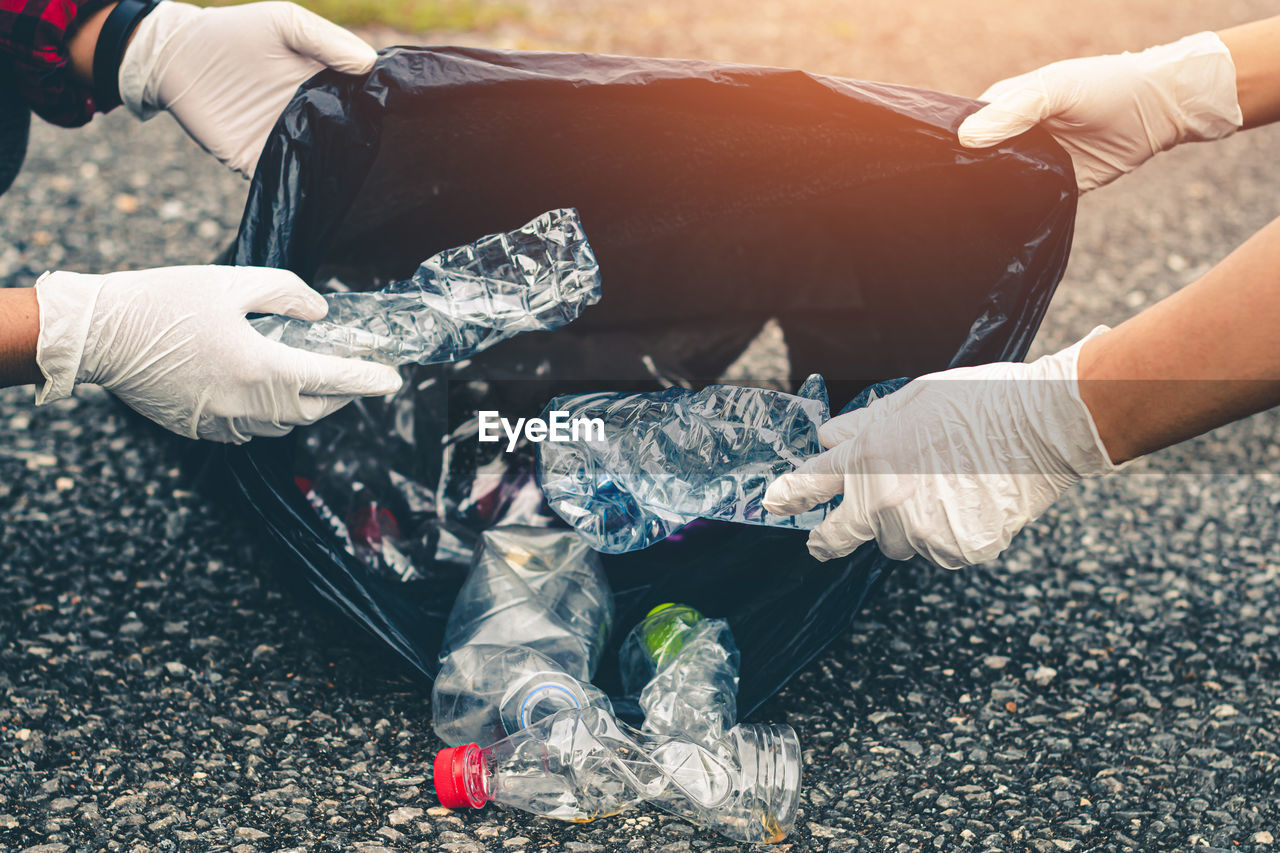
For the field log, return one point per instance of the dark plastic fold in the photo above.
(715, 197)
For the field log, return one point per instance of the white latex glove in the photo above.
(1113, 113)
(951, 466)
(174, 344)
(227, 73)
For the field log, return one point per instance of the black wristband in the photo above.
(109, 52)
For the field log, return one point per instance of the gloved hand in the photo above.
(1113, 113)
(951, 466)
(227, 73)
(174, 344)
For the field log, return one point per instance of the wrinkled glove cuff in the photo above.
(147, 55)
(1199, 75)
(66, 301)
(1067, 426)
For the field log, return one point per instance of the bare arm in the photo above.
(19, 329)
(19, 313)
(1206, 355)
(1203, 357)
(1255, 50)
(955, 464)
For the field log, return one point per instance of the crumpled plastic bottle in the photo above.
(536, 587)
(579, 765)
(671, 456)
(744, 784)
(460, 301)
(533, 590)
(485, 692)
(684, 667)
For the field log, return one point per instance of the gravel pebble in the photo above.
(403, 815)
(1044, 675)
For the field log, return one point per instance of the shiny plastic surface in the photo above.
(539, 588)
(668, 457)
(583, 765)
(461, 301)
(486, 692)
(371, 472)
(716, 196)
(684, 668)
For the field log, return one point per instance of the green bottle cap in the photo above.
(665, 629)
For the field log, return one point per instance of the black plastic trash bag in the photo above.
(715, 197)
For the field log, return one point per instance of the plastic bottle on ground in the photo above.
(536, 587)
(460, 301)
(669, 457)
(580, 765)
(484, 693)
(684, 668)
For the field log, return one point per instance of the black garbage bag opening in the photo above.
(716, 197)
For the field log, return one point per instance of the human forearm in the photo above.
(954, 464)
(1199, 359)
(19, 330)
(1255, 50)
(173, 344)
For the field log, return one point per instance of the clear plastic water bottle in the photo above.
(536, 587)
(579, 765)
(484, 693)
(461, 301)
(684, 667)
(671, 456)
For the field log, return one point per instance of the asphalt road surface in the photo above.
(1110, 684)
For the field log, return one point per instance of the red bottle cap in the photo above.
(370, 524)
(459, 777)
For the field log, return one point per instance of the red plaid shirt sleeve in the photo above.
(35, 57)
